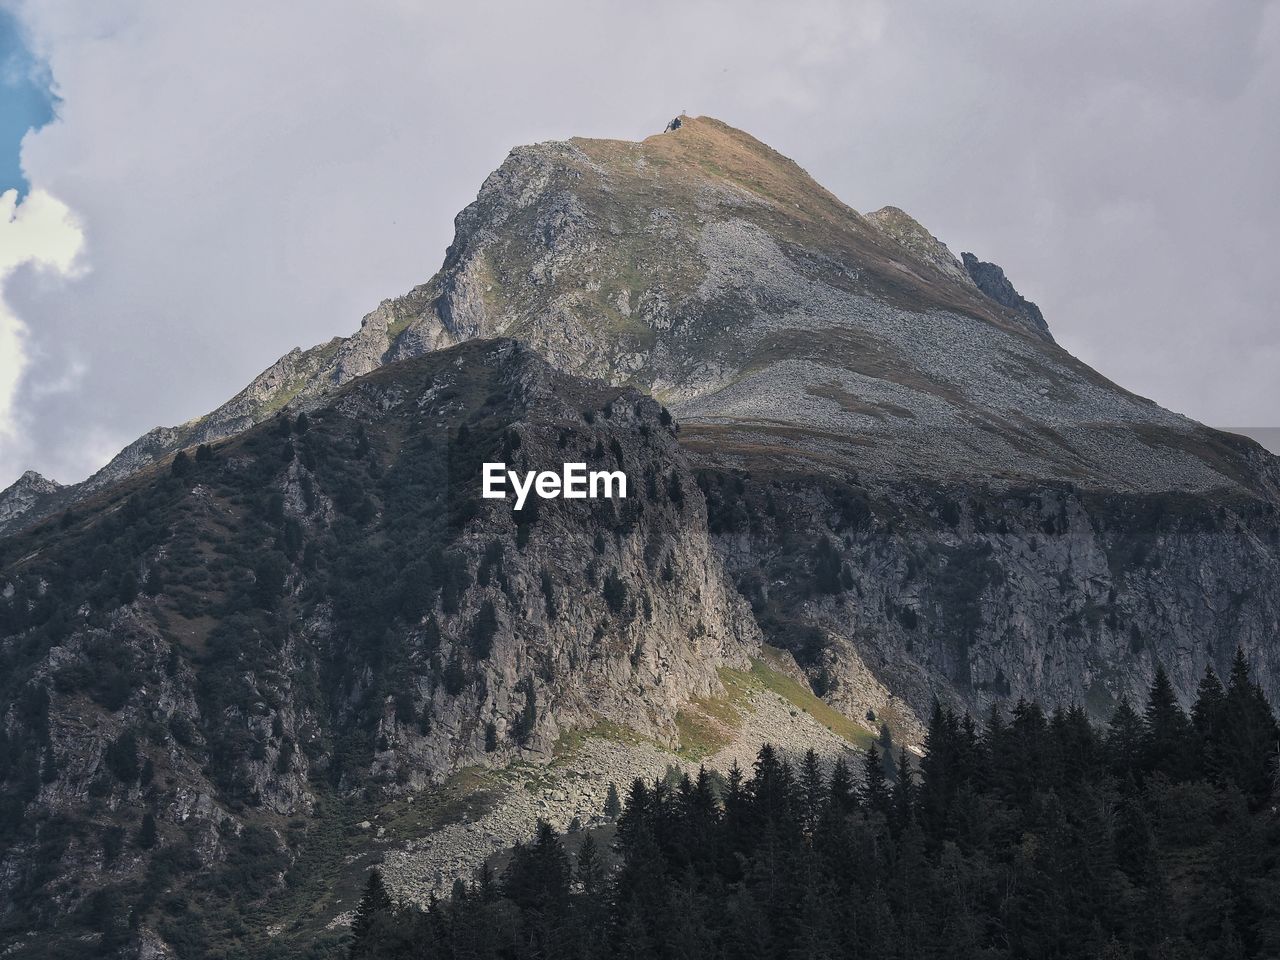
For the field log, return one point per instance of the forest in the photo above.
(1028, 835)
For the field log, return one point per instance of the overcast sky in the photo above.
(222, 182)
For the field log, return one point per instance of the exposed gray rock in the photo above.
(24, 494)
(991, 280)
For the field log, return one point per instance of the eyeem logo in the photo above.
(572, 483)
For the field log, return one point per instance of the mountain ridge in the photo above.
(556, 198)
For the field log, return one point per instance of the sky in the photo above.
(194, 189)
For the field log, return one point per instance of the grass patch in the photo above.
(700, 733)
(570, 741)
(767, 673)
(709, 723)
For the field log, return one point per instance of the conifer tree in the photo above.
(813, 791)
(148, 833)
(875, 791)
(1048, 853)
(612, 804)
(937, 768)
(1208, 719)
(1124, 738)
(842, 799)
(372, 913)
(885, 742)
(589, 870)
(904, 792)
(1250, 735)
(634, 819)
(1166, 741)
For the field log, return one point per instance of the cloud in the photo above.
(40, 234)
(253, 176)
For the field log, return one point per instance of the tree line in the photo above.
(1027, 835)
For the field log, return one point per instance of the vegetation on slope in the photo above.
(1036, 836)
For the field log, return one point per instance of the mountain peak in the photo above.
(24, 493)
(705, 268)
(905, 230)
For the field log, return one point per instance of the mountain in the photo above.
(800, 341)
(864, 477)
(708, 270)
(24, 494)
(324, 609)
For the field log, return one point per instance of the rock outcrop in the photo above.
(991, 280)
(25, 494)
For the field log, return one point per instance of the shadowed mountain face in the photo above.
(325, 611)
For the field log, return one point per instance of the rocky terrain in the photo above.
(325, 605)
(264, 649)
(574, 788)
(711, 272)
(26, 492)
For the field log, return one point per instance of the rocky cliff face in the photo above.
(709, 271)
(990, 279)
(26, 493)
(979, 594)
(326, 605)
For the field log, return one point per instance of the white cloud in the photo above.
(42, 234)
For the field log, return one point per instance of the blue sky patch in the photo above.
(27, 100)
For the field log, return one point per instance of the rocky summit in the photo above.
(268, 647)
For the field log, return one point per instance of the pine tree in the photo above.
(483, 630)
(527, 720)
(1250, 734)
(1166, 742)
(612, 804)
(1208, 721)
(875, 790)
(589, 871)
(486, 887)
(826, 567)
(614, 592)
(635, 817)
(885, 741)
(538, 876)
(1022, 770)
(375, 909)
(49, 772)
(772, 788)
(840, 791)
(937, 769)
(591, 906)
(904, 793)
(813, 791)
(1124, 739)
